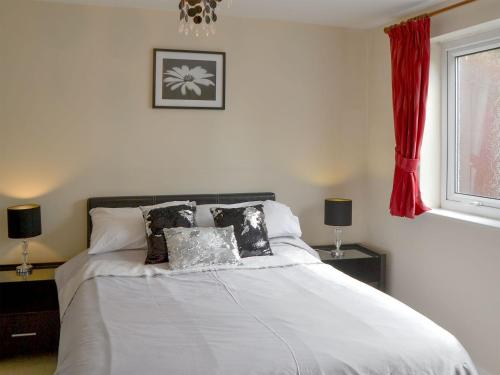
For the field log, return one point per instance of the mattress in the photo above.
(282, 314)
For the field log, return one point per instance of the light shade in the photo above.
(338, 212)
(24, 221)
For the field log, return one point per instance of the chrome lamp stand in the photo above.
(25, 268)
(337, 252)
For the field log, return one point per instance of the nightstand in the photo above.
(359, 262)
(29, 311)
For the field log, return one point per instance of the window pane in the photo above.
(478, 124)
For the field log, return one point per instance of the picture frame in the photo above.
(185, 79)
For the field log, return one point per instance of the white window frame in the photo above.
(450, 198)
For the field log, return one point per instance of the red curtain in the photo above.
(410, 57)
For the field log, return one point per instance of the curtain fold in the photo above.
(410, 59)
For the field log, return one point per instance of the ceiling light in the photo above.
(198, 16)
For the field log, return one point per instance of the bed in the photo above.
(282, 314)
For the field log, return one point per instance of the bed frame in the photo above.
(146, 200)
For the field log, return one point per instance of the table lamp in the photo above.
(338, 213)
(24, 222)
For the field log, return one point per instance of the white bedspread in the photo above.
(285, 314)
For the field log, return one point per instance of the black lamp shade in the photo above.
(24, 221)
(338, 212)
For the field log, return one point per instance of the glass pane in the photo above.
(478, 124)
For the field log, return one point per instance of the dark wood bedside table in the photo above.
(29, 311)
(359, 262)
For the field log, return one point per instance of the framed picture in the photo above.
(189, 79)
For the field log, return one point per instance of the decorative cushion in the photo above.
(157, 219)
(204, 217)
(249, 228)
(201, 247)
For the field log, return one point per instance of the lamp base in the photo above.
(337, 253)
(24, 269)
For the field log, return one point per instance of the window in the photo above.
(471, 151)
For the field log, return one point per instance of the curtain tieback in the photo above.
(407, 165)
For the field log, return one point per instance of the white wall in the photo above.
(444, 268)
(76, 118)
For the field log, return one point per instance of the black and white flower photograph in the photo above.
(189, 79)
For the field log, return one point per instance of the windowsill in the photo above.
(465, 217)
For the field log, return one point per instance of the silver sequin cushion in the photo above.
(201, 247)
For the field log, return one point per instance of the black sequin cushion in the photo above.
(249, 228)
(157, 219)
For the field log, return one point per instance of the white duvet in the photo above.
(284, 314)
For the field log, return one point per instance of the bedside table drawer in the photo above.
(366, 270)
(29, 333)
(25, 297)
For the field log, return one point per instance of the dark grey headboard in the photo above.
(136, 201)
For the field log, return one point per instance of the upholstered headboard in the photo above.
(136, 201)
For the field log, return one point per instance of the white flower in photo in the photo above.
(185, 78)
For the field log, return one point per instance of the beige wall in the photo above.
(308, 115)
(76, 118)
(444, 268)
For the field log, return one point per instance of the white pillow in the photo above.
(116, 229)
(165, 204)
(119, 228)
(280, 221)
